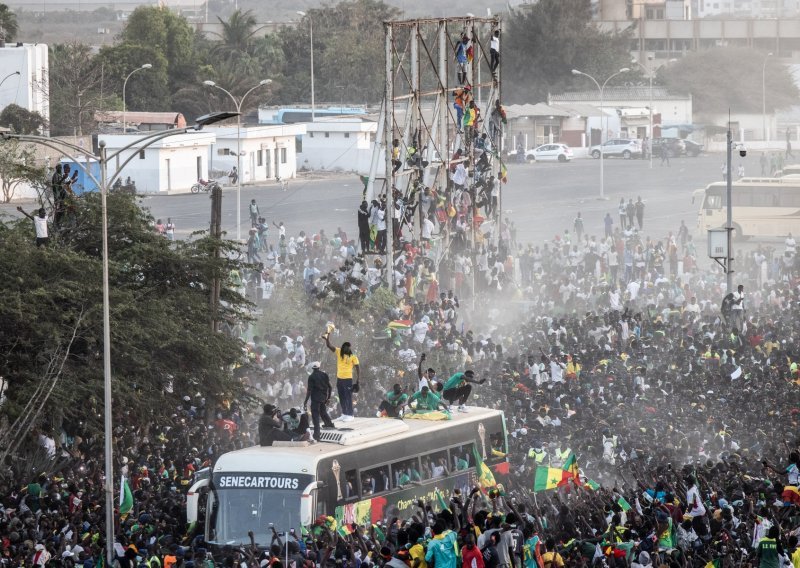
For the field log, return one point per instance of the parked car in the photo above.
(675, 146)
(621, 147)
(550, 152)
(692, 148)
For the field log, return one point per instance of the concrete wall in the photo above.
(29, 89)
(267, 152)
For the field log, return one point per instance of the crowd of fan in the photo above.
(680, 410)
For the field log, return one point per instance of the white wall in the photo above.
(170, 166)
(29, 89)
(268, 152)
(345, 146)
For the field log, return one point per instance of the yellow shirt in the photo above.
(344, 365)
(796, 558)
(418, 553)
(552, 560)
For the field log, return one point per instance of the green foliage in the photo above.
(347, 36)
(712, 77)
(17, 166)
(146, 90)
(76, 91)
(8, 23)
(162, 345)
(21, 120)
(546, 40)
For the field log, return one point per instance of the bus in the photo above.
(376, 469)
(762, 207)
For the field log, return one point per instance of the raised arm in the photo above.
(328, 343)
(21, 210)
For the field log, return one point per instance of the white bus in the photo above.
(375, 470)
(762, 207)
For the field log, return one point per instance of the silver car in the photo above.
(621, 147)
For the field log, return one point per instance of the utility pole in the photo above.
(216, 234)
(729, 223)
(387, 135)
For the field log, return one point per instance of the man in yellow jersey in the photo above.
(346, 363)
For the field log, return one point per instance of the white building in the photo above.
(23, 72)
(267, 152)
(171, 165)
(339, 144)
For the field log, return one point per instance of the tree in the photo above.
(546, 40)
(17, 166)
(75, 89)
(237, 35)
(347, 36)
(8, 23)
(148, 89)
(710, 75)
(162, 343)
(21, 120)
(170, 35)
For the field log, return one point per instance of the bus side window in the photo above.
(434, 465)
(405, 472)
(713, 202)
(375, 480)
(350, 485)
(461, 457)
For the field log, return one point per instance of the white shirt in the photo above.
(420, 330)
(693, 498)
(633, 289)
(739, 305)
(41, 226)
(460, 175)
(495, 44)
(427, 228)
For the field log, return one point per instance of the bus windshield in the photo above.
(240, 508)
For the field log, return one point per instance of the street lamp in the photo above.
(650, 132)
(311, 34)
(104, 183)
(7, 76)
(238, 103)
(124, 85)
(764, 131)
(602, 121)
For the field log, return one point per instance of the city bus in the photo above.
(762, 207)
(376, 469)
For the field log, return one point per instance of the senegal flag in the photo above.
(549, 478)
(571, 464)
(503, 176)
(485, 475)
(125, 498)
(441, 501)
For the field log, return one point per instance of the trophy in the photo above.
(337, 469)
(329, 328)
(482, 435)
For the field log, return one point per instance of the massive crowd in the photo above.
(615, 347)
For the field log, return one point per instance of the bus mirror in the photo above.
(193, 499)
(307, 503)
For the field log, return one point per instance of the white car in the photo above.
(550, 152)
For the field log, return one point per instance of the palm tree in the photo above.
(8, 23)
(237, 34)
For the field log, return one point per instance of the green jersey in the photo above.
(425, 402)
(767, 552)
(455, 381)
(396, 399)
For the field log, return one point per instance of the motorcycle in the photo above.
(204, 185)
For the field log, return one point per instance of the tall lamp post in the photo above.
(238, 103)
(602, 121)
(124, 85)
(311, 34)
(650, 131)
(764, 131)
(104, 183)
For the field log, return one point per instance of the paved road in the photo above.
(542, 199)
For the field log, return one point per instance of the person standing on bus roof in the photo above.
(319, 392)
(426, 378)
(346, 363)
(457, 388)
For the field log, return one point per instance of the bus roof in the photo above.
(791, 180)
(362, 433)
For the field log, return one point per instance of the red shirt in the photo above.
(471, 558)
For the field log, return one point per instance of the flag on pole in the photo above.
(550, 478)
(623, 504)
(571, 464)
(485, 475)
(503, 172)
(125, 498)
(440, 499)
(592, 484)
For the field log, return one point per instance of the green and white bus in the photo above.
(375, 470)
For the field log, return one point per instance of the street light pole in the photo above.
(602, 121)
(311, 36)
(124, 85)
(103, 184)
(764, 131)
(729, 210)
(238, 103)
(650, 132)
